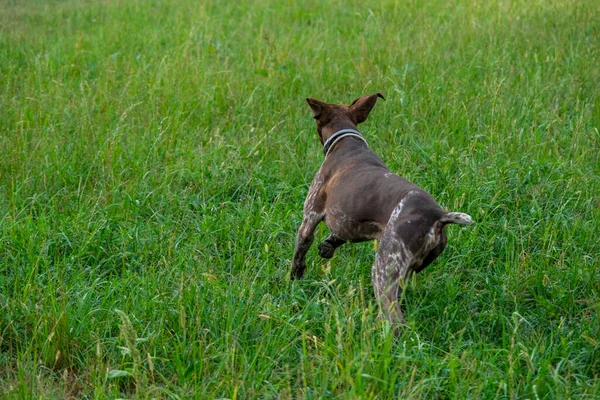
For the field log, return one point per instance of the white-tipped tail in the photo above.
(457, 218)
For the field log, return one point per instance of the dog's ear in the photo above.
(317, 107)
(362, 106)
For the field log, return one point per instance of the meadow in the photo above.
(155, 156)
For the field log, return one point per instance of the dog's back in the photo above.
(362, 193)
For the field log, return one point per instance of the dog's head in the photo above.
(333, 117)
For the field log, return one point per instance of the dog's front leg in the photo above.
(328, 246)
(303, 242)
(313, 214)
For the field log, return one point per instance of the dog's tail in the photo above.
(457, 218)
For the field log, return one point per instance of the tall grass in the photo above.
(154, 161)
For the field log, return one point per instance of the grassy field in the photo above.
(155, 155)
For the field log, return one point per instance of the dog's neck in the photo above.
(339, 135)
(334, 126)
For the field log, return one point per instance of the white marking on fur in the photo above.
(308, 223)
(395, 255)
(399, 257)
(316, 184)
(402, 256)
(399, 207)
(336, 218)
(457, 218)
(431, 239)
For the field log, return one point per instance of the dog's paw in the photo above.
(391, 324)
(297, 271)
(326, 250)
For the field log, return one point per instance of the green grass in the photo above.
(154, 160)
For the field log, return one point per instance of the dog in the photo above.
(359, 199)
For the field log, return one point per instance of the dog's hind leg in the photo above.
(390, 269)
(392, 264)
(328, 246)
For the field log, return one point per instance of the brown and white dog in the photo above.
(360, 199)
